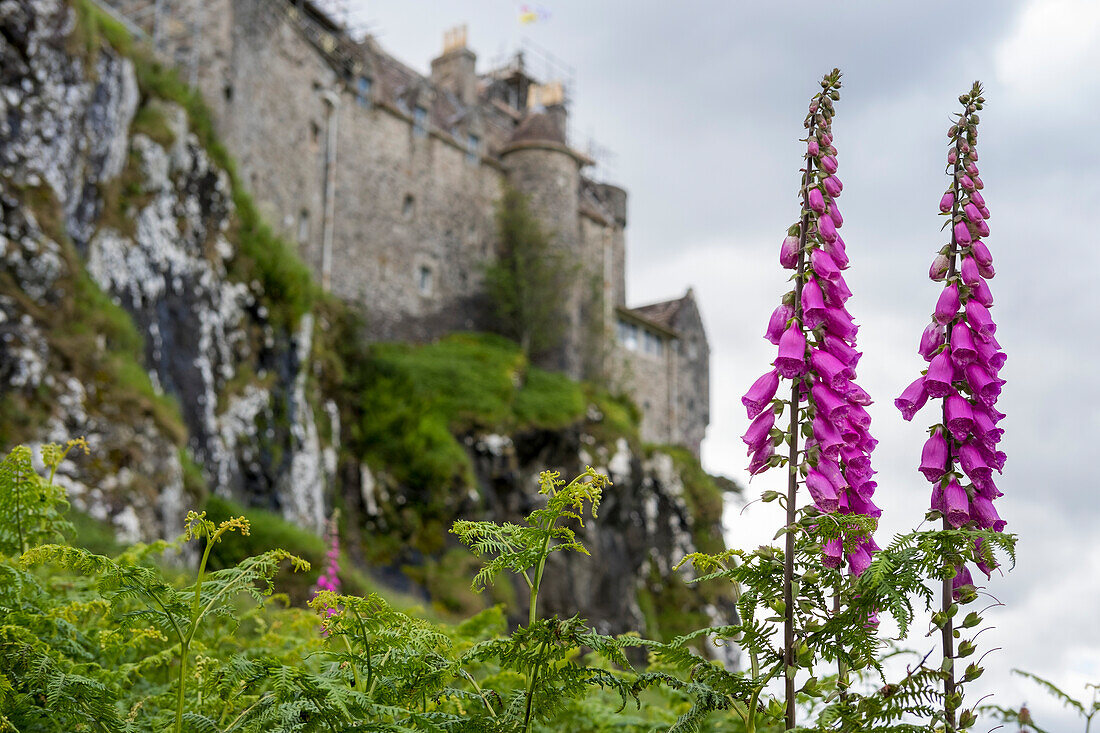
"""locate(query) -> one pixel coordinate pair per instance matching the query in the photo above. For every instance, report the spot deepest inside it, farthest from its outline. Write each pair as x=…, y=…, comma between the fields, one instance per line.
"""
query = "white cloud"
x=1052, y=53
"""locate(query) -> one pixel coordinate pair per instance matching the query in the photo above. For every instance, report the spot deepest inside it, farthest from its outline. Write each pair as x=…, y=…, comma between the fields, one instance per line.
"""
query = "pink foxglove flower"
x=933, y=458
x=816, y=339
x=947, y=306
x=961, y=456
x=791, y=361
x=761, y=393
x=777, y=324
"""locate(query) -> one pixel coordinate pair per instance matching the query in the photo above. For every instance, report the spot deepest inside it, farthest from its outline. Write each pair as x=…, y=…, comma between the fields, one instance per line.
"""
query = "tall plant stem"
x=792, y=464
x=532, y=615
x=947, y=632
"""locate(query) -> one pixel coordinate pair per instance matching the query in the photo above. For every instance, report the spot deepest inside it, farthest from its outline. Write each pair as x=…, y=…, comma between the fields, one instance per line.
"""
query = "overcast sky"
x=702, y=105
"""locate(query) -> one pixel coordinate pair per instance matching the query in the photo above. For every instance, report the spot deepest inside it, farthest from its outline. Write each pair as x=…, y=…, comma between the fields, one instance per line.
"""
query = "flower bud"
x=788, y=253
x=952, y=156
x=966, y=183
x=981, y=228
x=947, y=201
x=833, y=186
x=816, y=200
x=962, y=233
x=934, y=336
x=777, y=324
x=972, y=213
x=978, y=183
x=812, y=148
x=827, y=229
x=938, y=270
x=981, y=253
x=829, y=163
x=981, y=293
x=969, y=271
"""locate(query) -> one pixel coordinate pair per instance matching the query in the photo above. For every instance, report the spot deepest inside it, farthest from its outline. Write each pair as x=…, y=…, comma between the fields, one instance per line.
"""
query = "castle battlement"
x=388, y=180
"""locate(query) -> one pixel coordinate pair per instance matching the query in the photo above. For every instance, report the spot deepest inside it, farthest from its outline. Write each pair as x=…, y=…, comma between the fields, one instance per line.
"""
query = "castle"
x=388, y=181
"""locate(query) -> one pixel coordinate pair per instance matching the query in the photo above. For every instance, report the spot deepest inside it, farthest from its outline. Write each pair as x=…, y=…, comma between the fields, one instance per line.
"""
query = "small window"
x=227, y=91
x=628, y=335
x=303, y=226
x=408, y=206
x=420, y=121
x=314, y=135
x=362, y=91
x=654, y=344
x=473, y=149
x=424, y=280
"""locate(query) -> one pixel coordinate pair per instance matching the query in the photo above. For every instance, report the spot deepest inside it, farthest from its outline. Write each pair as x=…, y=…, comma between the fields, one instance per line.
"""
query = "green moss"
x=150, y=121
x=549, y=400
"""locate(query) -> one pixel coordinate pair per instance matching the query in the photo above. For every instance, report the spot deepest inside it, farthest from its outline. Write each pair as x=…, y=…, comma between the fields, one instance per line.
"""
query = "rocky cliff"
x=145, y=306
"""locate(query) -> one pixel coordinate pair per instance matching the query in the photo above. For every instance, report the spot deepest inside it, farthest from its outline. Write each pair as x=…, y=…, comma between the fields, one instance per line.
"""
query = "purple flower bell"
x=912, y=399
x=791, y=361
x=830, y=369
x=832, y=553
x=956, y=504
x=822, y=491
x=985, y=514
x=963, y=351
x=833, y=186
x=959, y=416
x=937, y=382
x=759, y=431
x=827, y=228
x=947, y=305
x=977, y=315
x=813, y=304
x=761, y=393
x=933, y=457
x=961, y=583
x=947, y=202
x=840, y=323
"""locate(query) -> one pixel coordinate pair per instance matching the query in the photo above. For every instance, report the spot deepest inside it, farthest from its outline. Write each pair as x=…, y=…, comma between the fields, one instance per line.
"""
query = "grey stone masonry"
x=388, y=180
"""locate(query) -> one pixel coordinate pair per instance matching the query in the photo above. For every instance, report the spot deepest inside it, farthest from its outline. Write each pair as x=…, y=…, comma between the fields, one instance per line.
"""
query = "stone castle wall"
x=388, y=182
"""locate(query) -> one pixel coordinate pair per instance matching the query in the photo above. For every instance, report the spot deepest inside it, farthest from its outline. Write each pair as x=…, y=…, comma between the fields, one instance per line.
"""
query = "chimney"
x=453, y=70
x=550, y=98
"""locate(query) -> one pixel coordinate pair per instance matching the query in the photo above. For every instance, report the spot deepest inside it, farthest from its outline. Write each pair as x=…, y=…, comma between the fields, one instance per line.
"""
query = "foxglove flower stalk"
x=961, y=454
x=816, y=339
x=329, y=579
x=965, y=358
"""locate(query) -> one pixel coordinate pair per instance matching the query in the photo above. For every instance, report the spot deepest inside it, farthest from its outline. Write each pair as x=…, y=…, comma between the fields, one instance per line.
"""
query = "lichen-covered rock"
x=240, y=385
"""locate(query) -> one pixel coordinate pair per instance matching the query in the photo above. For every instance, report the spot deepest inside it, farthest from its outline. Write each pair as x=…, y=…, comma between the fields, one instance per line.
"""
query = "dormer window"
x=362, y=91
x=420, y=121
x=473, y=148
